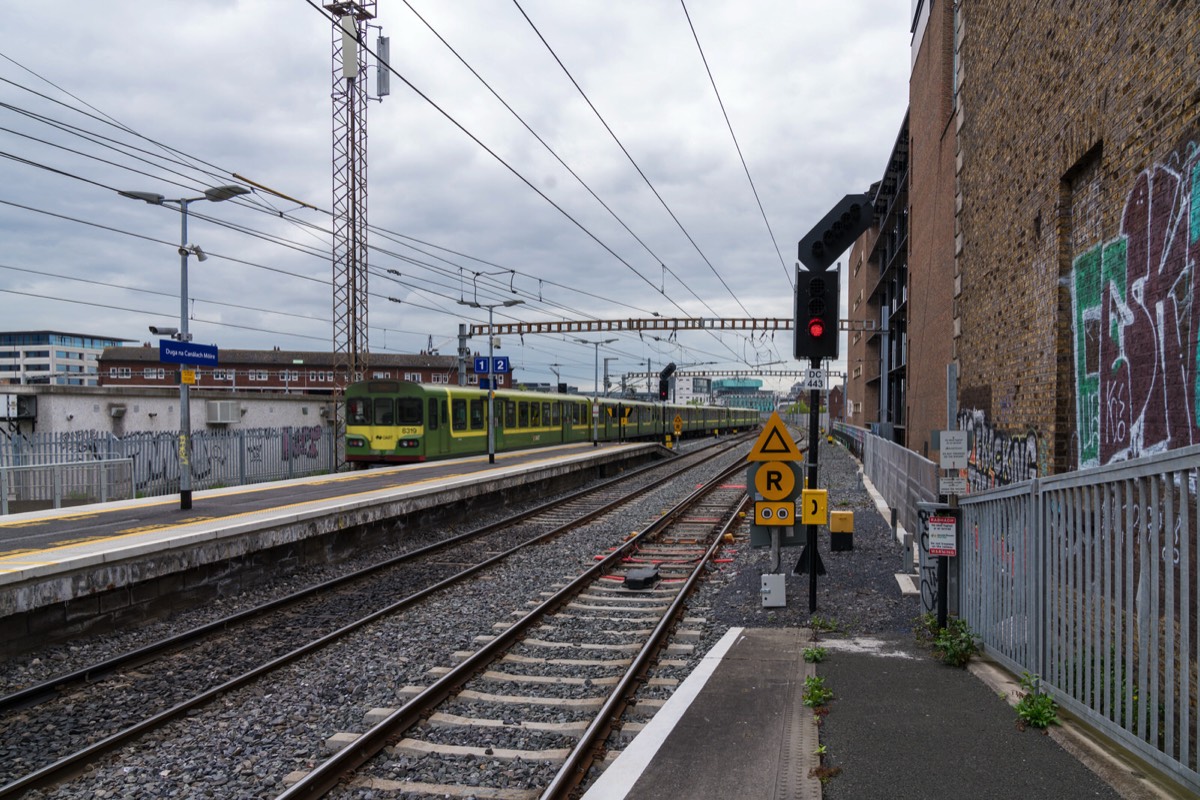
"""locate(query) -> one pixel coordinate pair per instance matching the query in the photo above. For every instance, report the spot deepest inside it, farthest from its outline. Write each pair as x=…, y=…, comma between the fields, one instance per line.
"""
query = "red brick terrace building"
x=285, y=371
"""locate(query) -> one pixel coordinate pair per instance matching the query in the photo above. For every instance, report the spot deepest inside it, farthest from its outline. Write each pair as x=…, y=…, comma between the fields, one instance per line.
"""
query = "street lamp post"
x=491, y=421
x=596, y=390
x=216, y=195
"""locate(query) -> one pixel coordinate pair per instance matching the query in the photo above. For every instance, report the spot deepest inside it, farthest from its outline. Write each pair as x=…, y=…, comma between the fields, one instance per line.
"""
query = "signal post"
x=818, y=295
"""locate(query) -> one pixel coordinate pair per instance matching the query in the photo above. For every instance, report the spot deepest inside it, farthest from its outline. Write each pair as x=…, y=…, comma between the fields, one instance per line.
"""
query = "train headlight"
x=355, y=441
x=409, y=443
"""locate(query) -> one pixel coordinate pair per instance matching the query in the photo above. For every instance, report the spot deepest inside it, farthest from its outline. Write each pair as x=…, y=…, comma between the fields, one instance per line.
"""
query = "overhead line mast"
x=349, y=96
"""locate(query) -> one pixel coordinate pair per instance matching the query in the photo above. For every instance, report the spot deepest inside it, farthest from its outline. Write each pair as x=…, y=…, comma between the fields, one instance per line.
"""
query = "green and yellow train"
x=391, y=422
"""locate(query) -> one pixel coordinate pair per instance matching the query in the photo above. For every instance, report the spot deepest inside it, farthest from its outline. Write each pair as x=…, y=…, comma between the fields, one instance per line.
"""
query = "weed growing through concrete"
x=1035, y=708
x=816, y=693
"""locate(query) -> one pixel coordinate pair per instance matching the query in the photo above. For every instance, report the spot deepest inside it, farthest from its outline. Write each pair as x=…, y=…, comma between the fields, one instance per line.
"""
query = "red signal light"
x=816, y=327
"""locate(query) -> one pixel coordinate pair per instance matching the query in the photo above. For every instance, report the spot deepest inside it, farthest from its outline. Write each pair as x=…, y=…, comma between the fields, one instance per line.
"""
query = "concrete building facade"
x=51, y=358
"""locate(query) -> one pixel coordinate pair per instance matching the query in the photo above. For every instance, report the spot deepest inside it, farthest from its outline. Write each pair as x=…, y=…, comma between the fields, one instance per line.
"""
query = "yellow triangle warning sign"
x=774, y=443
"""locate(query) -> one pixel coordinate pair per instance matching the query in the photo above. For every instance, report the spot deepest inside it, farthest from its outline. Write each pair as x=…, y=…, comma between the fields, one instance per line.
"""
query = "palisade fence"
x=1089, y=580
x=42, y=470
x=902, y=476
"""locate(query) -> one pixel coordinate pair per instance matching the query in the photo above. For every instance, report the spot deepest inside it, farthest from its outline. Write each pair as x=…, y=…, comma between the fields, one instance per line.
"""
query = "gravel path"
x=858, y=594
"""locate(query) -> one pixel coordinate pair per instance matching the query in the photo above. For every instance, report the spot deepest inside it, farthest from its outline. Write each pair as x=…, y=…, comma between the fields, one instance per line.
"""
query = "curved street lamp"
x=216, y=194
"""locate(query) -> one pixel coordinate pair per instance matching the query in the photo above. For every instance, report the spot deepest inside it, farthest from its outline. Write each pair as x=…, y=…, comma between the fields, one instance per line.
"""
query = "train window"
x=556, y=410
x=476, y=415
x=356, y=411
x=545, y=413
x=408, y=411
x=433, y=414
x=523, y=415
x=510, y=414
x=535, y=415
x=458, y=409
x=383, y=411
x=580, y=413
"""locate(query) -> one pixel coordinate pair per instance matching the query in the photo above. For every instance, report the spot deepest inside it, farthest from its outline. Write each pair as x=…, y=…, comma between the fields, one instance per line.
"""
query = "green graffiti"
x=1100, y=277
x=1195, y=207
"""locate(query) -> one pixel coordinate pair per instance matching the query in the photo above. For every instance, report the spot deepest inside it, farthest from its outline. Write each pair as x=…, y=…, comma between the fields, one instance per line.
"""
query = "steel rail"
x=580, y=759
x=56, y=685
x=330, y=773
x=58, y=770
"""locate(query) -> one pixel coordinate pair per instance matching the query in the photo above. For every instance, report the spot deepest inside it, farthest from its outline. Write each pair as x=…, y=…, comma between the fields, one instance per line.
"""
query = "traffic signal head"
x=816, y=324
x=836, y=231
x=663, y=388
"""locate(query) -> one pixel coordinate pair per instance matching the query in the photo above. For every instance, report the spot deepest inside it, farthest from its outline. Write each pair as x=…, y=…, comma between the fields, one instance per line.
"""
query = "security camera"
x=158, y=330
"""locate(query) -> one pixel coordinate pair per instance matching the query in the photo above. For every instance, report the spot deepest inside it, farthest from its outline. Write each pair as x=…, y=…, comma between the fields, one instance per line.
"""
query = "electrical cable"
x=636, y=167
x=741, y=157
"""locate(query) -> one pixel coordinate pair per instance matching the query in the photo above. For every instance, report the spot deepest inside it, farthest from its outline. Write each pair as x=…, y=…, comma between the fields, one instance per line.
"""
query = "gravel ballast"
x=244, y=744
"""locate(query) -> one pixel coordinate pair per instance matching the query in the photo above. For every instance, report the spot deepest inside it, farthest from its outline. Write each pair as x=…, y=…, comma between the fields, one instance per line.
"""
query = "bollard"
x=841, y=530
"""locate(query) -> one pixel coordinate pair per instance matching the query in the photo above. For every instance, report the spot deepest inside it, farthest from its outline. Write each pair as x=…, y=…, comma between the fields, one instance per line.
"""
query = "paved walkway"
x=901, y=726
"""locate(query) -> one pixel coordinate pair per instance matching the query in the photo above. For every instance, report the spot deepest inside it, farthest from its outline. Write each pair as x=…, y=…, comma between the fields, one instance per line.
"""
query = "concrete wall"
x=121, y=411
x=1080, y=225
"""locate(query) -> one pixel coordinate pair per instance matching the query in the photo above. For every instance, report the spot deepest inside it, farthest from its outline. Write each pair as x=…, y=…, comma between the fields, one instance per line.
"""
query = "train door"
x=383, y=424
x=435, y=427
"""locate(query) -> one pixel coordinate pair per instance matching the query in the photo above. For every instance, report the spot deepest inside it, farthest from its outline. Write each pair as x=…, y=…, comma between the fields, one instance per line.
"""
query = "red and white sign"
x=942, y=540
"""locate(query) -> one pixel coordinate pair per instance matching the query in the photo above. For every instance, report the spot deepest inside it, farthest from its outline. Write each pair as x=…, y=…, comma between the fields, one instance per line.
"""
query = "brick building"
x=1081, y=232
x=1054, y=231
x=287, y=371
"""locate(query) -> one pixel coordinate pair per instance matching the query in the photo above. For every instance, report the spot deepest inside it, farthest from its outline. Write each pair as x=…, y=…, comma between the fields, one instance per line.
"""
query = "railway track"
x=81, y=716
x=581, y=653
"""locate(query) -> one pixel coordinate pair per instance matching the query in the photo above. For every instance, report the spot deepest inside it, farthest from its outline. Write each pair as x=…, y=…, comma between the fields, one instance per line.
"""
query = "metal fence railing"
x=33, y=488
x=218, y=458
x=904, y=478
x=1090, y=580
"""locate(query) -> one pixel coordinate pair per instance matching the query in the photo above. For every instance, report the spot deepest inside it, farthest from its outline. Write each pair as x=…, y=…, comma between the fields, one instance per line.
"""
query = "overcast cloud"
x=173, y=96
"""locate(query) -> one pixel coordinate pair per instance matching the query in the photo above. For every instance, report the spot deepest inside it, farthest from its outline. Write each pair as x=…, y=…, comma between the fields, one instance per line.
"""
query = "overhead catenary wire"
x=74, y=130
x=737, y=146
x=277, y=240
x=632, y=161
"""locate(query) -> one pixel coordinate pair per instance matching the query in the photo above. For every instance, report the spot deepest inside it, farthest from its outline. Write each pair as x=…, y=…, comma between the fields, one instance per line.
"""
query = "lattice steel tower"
x=349, y=190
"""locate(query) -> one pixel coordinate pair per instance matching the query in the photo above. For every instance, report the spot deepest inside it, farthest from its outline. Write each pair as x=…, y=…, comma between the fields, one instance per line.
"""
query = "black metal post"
x=943, y=578
x=814, y=400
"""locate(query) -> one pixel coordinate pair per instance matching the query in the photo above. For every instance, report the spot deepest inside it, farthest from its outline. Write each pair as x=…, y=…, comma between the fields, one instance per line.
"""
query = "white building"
x=691, y=390
x=51, y=357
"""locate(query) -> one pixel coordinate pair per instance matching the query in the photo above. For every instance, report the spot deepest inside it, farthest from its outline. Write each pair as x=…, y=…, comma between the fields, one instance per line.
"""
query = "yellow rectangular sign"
x=774, y=513
x=815, y=507
x=187, y=376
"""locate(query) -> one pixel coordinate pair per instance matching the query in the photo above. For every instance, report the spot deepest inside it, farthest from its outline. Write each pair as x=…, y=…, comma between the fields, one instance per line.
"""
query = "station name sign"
x=173, y=352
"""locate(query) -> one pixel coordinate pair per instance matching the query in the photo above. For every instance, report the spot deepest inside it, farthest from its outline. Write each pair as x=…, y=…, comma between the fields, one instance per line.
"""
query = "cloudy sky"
x=172, y=97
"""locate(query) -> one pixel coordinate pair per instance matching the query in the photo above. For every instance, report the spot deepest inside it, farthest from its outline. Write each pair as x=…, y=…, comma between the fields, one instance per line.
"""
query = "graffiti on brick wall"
x=1136, y=311
x=997, y=458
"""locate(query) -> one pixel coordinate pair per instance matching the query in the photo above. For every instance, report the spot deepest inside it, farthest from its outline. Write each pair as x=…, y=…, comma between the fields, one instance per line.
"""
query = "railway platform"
x=901, y=726
x=65, y=571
